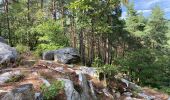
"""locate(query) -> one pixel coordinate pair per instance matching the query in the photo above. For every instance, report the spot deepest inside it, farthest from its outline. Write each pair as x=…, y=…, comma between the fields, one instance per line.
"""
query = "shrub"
x=22, y=49
x=49, y=93
x=45, y=47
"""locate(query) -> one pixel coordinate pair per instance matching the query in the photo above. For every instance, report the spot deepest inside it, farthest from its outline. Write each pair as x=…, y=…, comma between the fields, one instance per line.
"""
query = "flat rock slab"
x=7, y=75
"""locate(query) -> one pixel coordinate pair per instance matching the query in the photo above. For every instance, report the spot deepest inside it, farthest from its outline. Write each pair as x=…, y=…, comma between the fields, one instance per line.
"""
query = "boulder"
x=7, y=75
x=70, y=92
x=49, y=55
x=66, y=55
x=23, y=92
x=2, y=40
x=7, y=53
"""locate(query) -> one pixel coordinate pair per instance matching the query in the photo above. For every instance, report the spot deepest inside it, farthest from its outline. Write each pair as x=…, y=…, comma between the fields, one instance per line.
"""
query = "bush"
x=49, y=93
x=22, y=49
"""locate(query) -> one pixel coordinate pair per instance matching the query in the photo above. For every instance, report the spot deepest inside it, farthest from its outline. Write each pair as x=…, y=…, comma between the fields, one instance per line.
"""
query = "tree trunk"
x=8, y=21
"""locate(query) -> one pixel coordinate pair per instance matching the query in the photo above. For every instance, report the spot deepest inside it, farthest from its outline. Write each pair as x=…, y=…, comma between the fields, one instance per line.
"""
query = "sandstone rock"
x=7, y=53
x=24, y=92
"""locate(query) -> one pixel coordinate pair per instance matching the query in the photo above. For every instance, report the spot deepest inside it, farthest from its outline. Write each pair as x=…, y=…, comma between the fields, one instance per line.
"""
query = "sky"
x=145, y=6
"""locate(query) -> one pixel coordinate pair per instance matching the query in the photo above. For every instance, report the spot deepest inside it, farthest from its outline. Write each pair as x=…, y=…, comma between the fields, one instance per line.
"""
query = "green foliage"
x=15, y=78
x=97, y=62
x=22, y=48
x=50, y=92
x=109, y=70
x=46, y=47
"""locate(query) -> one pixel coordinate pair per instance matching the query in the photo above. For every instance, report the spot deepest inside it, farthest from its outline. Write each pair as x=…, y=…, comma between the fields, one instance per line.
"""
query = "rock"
x=23, y=92
x=117, y=95
x=38, y=96
x=85, y=88
x=66, y=55
x=134, y=87
x=70, y=66
x=131, y=86
x=89, y=70
x=59, y=69
x=49, y=55
x=45, y=82
x=127, y=94
x=7, y=53
x=2, y=40
x=146, y=97
x=169, y=98
x=7, y=75
x=70, y=92
x=107, y=93
x=92, y=90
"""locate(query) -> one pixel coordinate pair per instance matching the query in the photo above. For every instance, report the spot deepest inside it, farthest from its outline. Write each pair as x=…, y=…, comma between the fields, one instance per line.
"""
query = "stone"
x=45, y=82
x=89, y=71
x=146, y=97
x=107, y=93
x=66, y=55
x=130, y=85
x=7, y=53
x=92, y=90
x=38, y=96
x=70, y=92
x=2, y=40
x=49, y=55
x=84, y=84
x=127, y=94
x=7, y=75
x=23, y=92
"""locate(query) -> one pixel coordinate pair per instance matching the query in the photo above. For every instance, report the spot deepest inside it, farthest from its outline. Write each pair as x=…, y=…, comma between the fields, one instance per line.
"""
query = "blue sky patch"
x=145, y=6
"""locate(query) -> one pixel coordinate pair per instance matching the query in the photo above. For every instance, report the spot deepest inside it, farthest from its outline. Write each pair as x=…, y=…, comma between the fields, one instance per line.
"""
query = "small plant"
x=16, y=78
x=22, y=48
x=49, y=93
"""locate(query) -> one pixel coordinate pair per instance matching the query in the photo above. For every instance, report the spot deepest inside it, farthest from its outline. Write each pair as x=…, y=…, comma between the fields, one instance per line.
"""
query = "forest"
x=135, y=46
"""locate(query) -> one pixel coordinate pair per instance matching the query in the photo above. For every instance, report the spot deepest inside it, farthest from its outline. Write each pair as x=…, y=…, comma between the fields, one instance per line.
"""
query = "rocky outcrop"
x=66, y=55
x=23, y=92
x=7, y=53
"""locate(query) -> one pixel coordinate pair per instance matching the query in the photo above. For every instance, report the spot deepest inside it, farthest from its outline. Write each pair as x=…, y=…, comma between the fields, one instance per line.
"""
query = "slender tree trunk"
x=82, y=50
x=42, y=4
x=54, y=10
x=8, y=21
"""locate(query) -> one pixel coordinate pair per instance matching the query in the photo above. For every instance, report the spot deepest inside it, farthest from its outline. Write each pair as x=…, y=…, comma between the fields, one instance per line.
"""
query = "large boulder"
x=66, y=55
x=7, y=53
x=23, y=92
x=2, y=40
